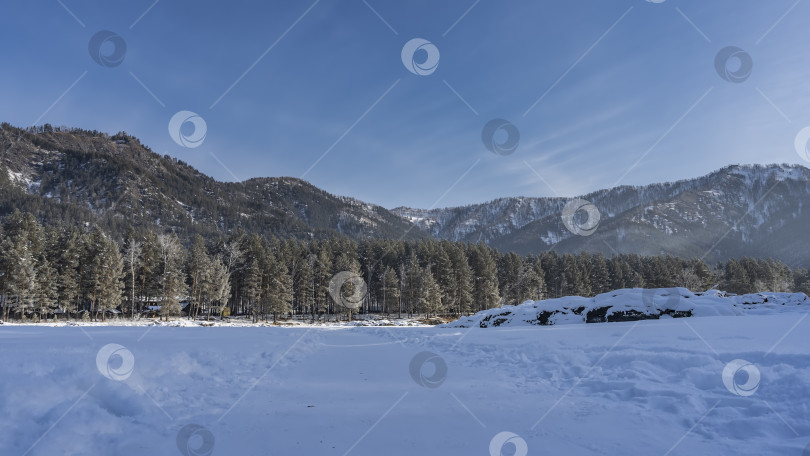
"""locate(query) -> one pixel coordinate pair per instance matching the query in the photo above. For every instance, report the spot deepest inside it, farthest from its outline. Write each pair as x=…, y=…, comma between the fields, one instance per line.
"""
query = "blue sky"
x=601, y=91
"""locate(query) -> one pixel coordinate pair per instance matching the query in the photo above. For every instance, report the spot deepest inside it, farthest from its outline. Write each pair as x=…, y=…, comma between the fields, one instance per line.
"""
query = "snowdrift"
x=632, y=304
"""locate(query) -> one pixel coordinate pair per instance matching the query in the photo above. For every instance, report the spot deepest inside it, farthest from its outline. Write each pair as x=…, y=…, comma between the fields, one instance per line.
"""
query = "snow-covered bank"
x=634, y=304
x=241, y=322
x=627, y=388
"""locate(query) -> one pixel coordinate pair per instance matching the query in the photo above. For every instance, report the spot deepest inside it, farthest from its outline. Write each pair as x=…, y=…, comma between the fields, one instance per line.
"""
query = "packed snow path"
x=651, y=387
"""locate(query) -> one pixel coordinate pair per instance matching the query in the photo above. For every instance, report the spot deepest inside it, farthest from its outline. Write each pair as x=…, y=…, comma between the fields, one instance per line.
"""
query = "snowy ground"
x=630, y=388
x=235, y=322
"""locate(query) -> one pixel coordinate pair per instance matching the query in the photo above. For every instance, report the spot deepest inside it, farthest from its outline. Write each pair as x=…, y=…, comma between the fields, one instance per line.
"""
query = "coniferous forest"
x=53, y=272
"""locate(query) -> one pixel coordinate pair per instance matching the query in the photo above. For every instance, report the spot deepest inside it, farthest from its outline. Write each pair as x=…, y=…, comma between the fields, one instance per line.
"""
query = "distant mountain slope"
x=88, y=177
x=738, y=210
x=82, y=177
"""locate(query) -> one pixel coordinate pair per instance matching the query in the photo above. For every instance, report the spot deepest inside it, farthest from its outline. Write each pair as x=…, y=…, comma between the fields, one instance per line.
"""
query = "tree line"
x=70, y=272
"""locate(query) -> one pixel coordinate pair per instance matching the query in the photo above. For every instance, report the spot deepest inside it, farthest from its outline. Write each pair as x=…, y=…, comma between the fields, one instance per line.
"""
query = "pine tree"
x=509, y=268
x=707, y=278
x=570, y=276
x=280, y=287
x=253, y=275
x=530, y=284
x=133, y=249
x=485, y=277
x=68, y=278
x=215, y=286
x=347, y=261
x=232, y=255
x=735, y=277
x=441, y=266
x=599, y=274
x=150, y=271
x=102, y=273
x=323, y=274
x=46, y=292
x=617, y=279
x=171, y=277
x=111, y=267
x=21, y=246
x=305, y=284
x=197, y=267
x=413, y=288
x=687, y=277
x=430, y=298
x=462, y=277
x=583, y=285
x=390, y=290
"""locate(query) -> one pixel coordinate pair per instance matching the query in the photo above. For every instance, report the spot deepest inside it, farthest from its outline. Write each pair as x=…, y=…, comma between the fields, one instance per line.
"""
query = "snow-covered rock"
x=629, y=305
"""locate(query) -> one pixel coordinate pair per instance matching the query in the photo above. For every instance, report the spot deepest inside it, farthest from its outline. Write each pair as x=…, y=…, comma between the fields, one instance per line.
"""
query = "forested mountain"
x=86, y=177
x=89, y=178
x=733, y=212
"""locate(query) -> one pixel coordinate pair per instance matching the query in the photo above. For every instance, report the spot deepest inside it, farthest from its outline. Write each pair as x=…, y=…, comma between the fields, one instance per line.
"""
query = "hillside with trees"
x=76, y=177
x=79, y=177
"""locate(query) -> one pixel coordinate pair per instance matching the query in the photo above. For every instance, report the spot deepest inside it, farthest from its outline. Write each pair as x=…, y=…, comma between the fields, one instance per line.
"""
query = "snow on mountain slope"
x=661, y=387
x=101, y=180
x=743, y=206
x=90, y=177
x=633, y=304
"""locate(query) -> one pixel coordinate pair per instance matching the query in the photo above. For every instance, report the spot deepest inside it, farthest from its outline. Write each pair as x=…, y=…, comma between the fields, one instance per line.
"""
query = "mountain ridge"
x=86, y=177
x=462, y=223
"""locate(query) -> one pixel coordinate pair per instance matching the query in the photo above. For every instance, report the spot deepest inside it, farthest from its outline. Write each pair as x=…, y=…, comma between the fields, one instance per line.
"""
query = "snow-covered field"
x=656, y=387
x=236, y=322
